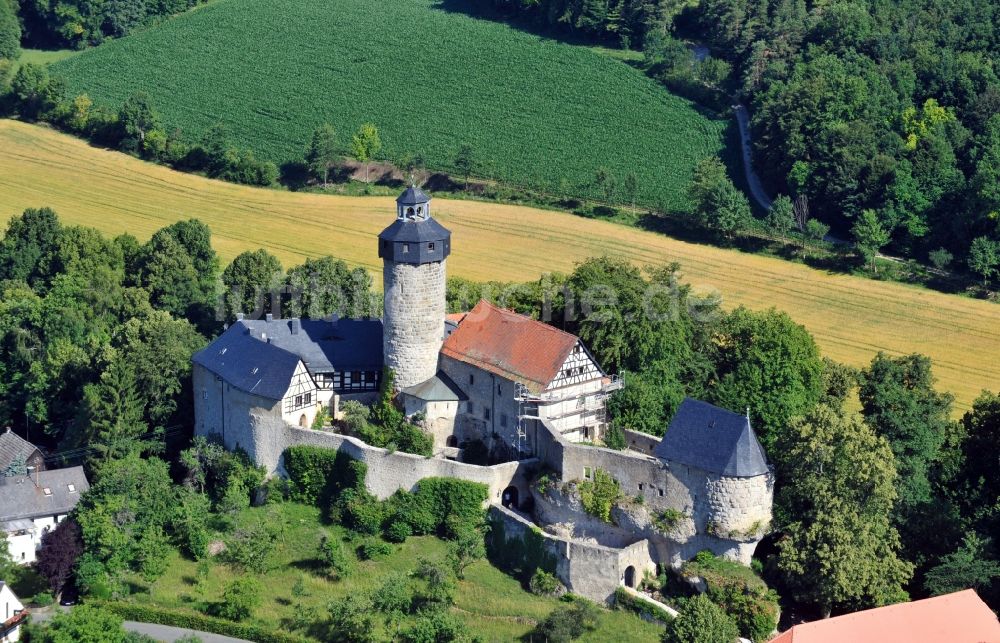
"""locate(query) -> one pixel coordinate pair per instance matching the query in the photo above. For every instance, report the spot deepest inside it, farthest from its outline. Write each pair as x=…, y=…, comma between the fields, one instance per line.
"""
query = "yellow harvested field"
x=852, y=318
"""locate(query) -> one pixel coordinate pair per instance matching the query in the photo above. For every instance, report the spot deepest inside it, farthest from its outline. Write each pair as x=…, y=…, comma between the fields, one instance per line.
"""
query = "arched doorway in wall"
x=304, y=421
x=451, y=441
x=509, y=497
x=630, y=577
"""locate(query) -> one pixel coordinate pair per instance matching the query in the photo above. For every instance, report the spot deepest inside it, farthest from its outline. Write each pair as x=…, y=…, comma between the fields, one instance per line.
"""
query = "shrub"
x=614, y=438
x=394, y=597
x=568, y=622
x=43, y=599
x=362, y=512
x=668, y=520
x=374, y=549
x=600, y=494
x=250, y=547
x=334, y=555
x=434, y=627
x=543, y=583
x=240, y=597
x=397, y=531
x=701, y=621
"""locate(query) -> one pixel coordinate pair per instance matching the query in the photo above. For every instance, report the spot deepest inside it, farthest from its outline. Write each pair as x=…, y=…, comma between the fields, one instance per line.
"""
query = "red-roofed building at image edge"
x=961, y=617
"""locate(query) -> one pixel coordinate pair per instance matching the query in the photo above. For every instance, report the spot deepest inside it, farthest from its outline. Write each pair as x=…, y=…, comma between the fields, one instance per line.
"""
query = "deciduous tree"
x=249, y=280
x=366, y=144
x=869, y=236
x=984, y=257
x=840, y=546
x=322, y=153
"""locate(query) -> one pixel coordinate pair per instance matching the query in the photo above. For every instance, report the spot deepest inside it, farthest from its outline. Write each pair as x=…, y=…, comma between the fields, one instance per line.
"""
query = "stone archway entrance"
x=509, y=497
x=304, y=421
x=451, y=441
x=630, y=577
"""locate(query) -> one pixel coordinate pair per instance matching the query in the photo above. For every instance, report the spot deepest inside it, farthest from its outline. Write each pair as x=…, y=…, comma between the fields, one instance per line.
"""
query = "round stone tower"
x=413, y=251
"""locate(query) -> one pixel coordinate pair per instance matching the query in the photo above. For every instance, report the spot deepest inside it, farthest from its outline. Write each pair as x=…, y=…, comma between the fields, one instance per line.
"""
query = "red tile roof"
x=511, y=345
x=961, y=617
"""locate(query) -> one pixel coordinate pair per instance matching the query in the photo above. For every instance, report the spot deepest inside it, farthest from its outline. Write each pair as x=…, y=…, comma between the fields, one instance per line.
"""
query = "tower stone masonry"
x=414, y=250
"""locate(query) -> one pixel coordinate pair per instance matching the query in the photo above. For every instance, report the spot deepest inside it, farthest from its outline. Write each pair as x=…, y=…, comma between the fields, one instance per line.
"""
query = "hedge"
x=194, y=621
x=439, y=505
x=318, y=474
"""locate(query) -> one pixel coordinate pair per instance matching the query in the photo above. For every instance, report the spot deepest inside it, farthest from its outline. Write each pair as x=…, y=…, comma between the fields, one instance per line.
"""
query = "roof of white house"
x=714, y=440
x=45, y=493
x=13, y=446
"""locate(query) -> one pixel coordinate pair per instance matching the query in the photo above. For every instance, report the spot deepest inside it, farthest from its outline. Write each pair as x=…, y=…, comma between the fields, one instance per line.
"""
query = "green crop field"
x=536, y=112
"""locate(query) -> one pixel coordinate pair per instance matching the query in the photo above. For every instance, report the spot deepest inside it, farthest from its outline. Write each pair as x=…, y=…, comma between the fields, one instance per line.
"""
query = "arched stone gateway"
x=451, y=441
x=630, y=577
x=509, y=498
x=304, y=421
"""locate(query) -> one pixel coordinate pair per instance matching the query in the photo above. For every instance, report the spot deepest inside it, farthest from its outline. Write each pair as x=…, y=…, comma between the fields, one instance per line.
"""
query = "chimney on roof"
x=239, y=316
x=269, y=317
x=296, y=325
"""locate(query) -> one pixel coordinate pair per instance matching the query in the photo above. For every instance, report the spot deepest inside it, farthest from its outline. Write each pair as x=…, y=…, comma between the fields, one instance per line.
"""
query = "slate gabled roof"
x=439, y=388
x=324, y=345
x=511, y=345
x=21, y=497
x=13, y=446
x=714, y=440
x=248, y=363
x=412, y=196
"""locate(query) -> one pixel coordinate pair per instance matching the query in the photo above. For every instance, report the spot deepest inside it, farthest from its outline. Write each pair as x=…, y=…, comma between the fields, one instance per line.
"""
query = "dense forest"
x=888, y=106
x=55, y=24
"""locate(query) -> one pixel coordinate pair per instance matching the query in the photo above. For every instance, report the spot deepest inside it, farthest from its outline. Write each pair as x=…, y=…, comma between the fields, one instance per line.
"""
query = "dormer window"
x=47, y=491
x=430, y=246
x=71, y=487
x=406, y=248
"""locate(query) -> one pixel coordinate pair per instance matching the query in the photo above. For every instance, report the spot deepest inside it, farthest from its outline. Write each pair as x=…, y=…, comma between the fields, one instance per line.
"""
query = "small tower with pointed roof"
x=414, y=249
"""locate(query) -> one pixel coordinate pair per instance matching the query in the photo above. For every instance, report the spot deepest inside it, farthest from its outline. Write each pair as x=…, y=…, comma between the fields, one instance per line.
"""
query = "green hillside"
x=536, y=112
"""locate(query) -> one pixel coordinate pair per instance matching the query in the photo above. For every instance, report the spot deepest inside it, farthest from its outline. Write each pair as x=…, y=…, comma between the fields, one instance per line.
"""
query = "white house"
x=12, y=615
x=32, y=505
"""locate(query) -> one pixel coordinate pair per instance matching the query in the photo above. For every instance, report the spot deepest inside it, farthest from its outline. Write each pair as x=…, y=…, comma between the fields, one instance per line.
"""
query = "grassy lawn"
x=44, y=56
x=493, y=604
x=851, y=317
x=535, y=111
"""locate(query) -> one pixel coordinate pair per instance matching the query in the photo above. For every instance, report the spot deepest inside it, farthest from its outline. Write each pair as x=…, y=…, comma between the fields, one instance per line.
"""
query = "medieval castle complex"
x=532, y=394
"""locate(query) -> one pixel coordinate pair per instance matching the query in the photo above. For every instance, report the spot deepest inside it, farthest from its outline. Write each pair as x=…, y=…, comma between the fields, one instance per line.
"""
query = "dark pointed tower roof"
x=412, y=196
x=714, y=440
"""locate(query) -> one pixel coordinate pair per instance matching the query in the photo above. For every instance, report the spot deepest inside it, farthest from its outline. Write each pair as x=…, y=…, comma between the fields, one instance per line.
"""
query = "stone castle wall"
x=413, y=319
x=590, y=570
x=258, y=429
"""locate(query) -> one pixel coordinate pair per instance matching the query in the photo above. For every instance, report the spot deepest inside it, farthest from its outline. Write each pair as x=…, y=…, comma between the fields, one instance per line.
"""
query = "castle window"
x=640, y=486
x=307, y=398
x=499, y=390
x=204, y=394
x=406, y=248
x=588, y=473
x=472, y=379
x=430, y=246
x=661, y=492
x=486, y=412
x=298, y=401
x=503, y=420
x=470, y=408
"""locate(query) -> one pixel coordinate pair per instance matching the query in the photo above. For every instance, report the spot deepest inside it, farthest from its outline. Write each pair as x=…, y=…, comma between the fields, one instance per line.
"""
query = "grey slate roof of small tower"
x=714, y=440
x=412, y=196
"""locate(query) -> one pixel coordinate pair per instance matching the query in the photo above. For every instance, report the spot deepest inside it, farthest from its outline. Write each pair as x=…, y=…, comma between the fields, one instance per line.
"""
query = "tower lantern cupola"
x=413, y=205
x=414, y=237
